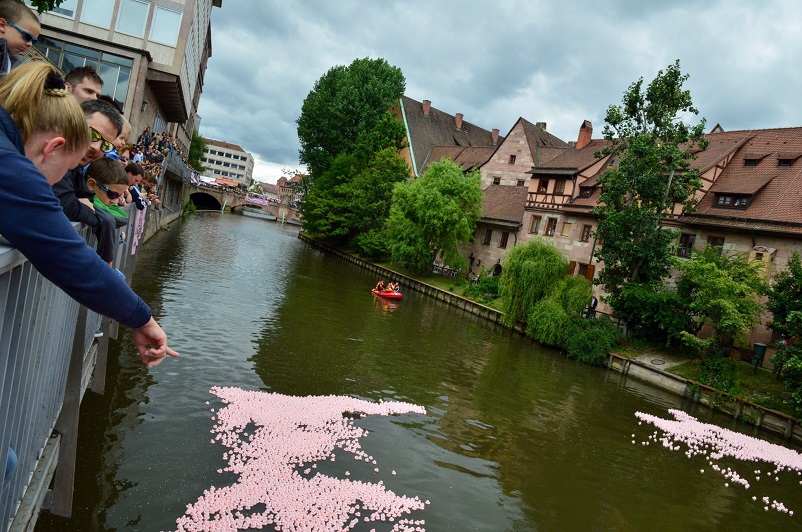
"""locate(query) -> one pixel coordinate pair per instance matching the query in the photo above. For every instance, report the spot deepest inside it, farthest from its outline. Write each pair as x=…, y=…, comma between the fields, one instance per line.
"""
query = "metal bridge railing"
x=48, y=353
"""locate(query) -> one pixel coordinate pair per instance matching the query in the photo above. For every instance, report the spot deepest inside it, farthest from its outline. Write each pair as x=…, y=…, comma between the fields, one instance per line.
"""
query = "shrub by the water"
x=590, y=340
x=551, y=317
x=548, y=322
x=485, y=291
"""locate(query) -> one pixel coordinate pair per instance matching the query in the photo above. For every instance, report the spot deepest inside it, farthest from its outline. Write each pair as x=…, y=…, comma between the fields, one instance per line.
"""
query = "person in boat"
x=396, y=287
x=380, y=286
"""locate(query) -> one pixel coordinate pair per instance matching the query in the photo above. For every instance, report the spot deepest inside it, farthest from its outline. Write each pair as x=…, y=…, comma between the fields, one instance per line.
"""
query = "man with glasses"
x=19, y=28
x=105, y=123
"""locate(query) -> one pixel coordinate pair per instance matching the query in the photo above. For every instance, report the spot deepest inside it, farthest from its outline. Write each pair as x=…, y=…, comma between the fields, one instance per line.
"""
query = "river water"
x=516, y=436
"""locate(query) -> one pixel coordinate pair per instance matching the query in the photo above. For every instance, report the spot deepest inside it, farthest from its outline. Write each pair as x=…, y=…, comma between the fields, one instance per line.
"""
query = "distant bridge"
x=212, y=199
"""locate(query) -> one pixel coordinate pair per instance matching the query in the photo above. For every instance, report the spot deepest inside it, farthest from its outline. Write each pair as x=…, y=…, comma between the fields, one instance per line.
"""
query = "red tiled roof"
x=226, y=182
x=504, y=203
x=573, y=159
x=776, y=190
x=223, y=144
x=543, y=146
x=467, y=158
x=439, y=129
x=741, y=186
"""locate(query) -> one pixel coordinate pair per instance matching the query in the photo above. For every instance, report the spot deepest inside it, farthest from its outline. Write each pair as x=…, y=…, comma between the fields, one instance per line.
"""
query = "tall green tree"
x=197, y=147
x=722, y=291
x=344, y=106
x=653, y=147
x=785, y=294
x=530, y=271
x=433, y=215
x=353, y=196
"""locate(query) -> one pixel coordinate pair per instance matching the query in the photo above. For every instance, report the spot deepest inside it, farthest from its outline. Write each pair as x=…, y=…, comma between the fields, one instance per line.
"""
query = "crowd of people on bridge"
x=63, y=157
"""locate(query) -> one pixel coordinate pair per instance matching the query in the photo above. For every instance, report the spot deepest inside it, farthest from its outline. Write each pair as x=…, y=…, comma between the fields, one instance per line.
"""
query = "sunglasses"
x=105, y=145
x=27, y=37
x=110, y=193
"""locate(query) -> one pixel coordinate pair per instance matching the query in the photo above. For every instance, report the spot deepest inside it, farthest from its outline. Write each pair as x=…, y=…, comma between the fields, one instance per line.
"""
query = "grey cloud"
x=543, y=60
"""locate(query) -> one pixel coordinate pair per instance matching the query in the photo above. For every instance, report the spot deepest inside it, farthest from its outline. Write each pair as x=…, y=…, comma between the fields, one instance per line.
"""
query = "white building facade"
x=228, y=161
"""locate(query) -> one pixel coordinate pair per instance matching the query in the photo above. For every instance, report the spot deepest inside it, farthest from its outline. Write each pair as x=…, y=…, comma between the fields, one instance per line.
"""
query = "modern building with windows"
x=228, y=162
x=151, y=55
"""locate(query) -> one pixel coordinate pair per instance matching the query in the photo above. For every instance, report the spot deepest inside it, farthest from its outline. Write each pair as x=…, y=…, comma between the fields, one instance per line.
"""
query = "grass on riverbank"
x=760, y=387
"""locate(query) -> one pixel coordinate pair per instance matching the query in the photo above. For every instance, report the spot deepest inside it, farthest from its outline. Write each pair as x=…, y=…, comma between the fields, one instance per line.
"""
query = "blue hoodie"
x=32, y=220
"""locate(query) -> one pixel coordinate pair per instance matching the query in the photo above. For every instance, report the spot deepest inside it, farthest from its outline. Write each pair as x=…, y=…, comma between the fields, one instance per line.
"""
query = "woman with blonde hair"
x=44, y=133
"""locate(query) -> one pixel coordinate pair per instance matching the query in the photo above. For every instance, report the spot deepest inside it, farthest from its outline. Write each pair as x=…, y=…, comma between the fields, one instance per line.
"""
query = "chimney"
x=494, y=136
x=541, y=125
x=458, y=120
x=427, y=104
x=585, y=133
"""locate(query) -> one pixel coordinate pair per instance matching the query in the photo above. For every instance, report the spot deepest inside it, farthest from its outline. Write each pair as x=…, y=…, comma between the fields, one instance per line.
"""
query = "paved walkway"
x=661, y=360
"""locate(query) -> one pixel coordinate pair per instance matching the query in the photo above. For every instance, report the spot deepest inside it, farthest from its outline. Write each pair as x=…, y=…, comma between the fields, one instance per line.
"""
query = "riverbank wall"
x=761, y=417
x=472, y=307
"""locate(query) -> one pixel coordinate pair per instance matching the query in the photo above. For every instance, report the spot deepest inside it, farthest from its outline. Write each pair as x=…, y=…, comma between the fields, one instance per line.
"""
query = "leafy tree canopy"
x=785, y=294
x=652, y=147
x=45, y=5
x=353, y=196
x=530, y=271
x=723, y=291
x=433, y=215
x=197, y=149
x=346, y=104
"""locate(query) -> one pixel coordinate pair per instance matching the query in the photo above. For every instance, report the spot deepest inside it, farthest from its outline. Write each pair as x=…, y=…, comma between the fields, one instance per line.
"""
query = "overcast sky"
x=559, y=62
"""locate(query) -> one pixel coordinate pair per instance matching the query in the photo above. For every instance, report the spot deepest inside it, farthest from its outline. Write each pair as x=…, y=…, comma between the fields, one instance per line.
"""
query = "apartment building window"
x=585, y=236
x=534, y=225
x=566, y=229
x=551, y=227
x=505, y=236
x=512, y=159
x=97, y=12
x=165, y=26
x=559, y=186
x=113, y=69
x=132, y=17
x=488, y=237
x=686, y=242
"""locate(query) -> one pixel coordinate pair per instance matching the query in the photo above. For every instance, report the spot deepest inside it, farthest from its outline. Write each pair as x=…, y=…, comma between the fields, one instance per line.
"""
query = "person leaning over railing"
x=44, y=133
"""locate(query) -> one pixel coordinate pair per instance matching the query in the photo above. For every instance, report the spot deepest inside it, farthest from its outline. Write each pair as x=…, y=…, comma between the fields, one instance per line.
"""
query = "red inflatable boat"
x=387, y=295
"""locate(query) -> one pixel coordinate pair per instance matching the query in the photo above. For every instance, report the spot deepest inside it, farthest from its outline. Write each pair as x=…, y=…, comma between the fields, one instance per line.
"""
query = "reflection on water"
x=516, y=437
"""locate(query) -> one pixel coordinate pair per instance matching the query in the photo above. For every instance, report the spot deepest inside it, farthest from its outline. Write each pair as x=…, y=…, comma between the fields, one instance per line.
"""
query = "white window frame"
x=122, y=17
x=87, y=6
x=156, y=11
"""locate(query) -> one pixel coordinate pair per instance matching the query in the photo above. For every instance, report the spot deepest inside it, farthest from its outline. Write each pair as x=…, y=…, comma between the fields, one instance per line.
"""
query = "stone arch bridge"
x=207, y=198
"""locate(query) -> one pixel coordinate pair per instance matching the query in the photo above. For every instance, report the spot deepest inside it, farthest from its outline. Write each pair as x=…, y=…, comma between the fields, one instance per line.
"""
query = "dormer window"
x=751, y=163
x=730, y=201
x=585, y=192
x=785, y=163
